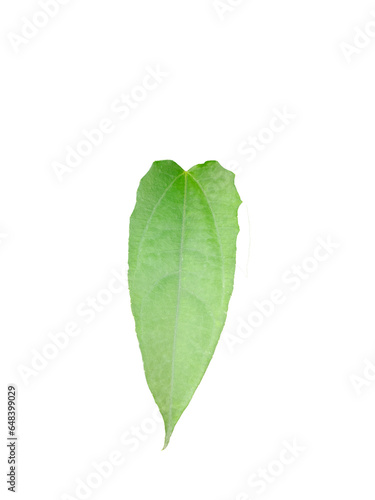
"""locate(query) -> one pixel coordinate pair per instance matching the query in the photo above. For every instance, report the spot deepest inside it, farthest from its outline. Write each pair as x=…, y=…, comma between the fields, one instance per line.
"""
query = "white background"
x=294, y=377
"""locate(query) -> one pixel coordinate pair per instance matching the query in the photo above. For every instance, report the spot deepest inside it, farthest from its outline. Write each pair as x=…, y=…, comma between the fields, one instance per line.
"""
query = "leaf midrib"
x=177, y=309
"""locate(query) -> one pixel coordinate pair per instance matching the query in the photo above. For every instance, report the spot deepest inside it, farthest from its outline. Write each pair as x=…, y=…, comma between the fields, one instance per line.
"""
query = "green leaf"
x=182, y=257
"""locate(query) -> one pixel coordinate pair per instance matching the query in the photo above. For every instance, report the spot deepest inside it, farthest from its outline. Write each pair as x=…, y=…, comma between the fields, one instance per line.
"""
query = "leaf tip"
x=166, y=442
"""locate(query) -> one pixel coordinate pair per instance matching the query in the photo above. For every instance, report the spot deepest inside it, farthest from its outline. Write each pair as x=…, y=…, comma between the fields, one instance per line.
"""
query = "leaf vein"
x=218, y=235
x=149, y=220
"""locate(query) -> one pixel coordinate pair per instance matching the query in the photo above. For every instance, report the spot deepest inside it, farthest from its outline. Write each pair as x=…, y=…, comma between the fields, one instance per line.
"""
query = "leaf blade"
x=182, y=248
